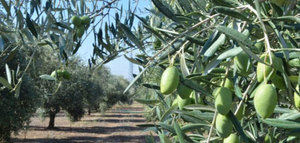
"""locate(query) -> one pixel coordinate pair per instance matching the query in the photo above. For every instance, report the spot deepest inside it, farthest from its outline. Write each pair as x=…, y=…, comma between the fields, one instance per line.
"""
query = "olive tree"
x=26, y=29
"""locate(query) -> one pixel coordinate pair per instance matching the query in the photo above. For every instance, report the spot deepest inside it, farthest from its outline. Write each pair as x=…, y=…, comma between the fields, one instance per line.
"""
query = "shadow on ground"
x=99, y=130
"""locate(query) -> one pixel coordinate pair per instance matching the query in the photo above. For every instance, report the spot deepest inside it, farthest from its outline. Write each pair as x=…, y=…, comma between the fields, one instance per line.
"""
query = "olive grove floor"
x=116, y=125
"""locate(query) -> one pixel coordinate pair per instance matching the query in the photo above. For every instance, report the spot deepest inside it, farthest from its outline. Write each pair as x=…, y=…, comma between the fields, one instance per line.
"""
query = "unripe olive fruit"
x=278, y=81
x=76, y=20
x=223, y=100
x=85, y=20
x=297, y=98
x=169, y=80
x=254, y=91
x=265, y=100
x=241, y=61
x=223, y=125
x=183, y=91
x=265, y=70
x=295, y=62
x=66, y=74
x=228, y=83
x=232, y=138
x=80, y=31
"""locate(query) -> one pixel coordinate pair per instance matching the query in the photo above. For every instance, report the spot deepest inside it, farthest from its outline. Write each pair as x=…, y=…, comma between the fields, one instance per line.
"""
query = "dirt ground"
x=115, y=126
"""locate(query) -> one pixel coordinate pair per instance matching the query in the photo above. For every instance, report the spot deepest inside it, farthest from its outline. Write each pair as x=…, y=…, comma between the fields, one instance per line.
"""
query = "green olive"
x=223, y=100
x=265, y=100
x=295, y=62
x=85, y=20
x=76, y=20
x=66, y=74
x=223, y=125
x=232, y=138
x=265, y=70
x=169, y=80
x=228, y=84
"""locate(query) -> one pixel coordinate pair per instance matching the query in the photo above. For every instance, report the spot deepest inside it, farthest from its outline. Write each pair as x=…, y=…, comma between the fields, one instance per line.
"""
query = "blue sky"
x=119, y=66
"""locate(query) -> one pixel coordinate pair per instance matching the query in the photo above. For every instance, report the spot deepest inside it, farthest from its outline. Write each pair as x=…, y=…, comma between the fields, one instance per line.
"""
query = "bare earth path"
x=116, y=125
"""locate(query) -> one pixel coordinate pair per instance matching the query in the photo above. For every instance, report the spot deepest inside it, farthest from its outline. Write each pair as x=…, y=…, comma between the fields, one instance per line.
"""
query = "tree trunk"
x=52, y=120
x=89, y=111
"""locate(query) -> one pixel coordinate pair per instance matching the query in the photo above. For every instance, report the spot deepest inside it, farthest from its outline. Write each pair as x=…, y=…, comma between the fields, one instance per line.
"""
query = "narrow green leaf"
x=286, y=124
x=235, y=35
x=290, y=116
x=167, y=127
x=231, y=12
x=30, y=26
x=208, y=116
x=152, y=86
x=47, y=77
x=166, y=11
x=167, y=113
x=131, y=36
x=215, y=46
x=150, y=29
x=199, y=107
x=179, y=133
x=132, y=60
x=190, y=127
x=238, y=91
x=230, y=53
x=183, y=66
x=288, y=18
x=8, y=74
x=4, y=82
x=211, y=65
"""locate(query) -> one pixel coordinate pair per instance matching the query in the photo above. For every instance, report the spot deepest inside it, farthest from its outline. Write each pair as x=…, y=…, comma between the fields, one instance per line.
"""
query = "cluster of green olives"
x=80, y=23
x=265, y=94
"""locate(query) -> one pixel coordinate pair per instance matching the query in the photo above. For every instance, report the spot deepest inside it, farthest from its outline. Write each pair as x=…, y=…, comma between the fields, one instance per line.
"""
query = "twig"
x=268, y=48
x=244, y=95
x=212, y=126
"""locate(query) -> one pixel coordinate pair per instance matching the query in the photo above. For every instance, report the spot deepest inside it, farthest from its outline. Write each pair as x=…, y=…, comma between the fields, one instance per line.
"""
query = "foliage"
x=202, y=38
